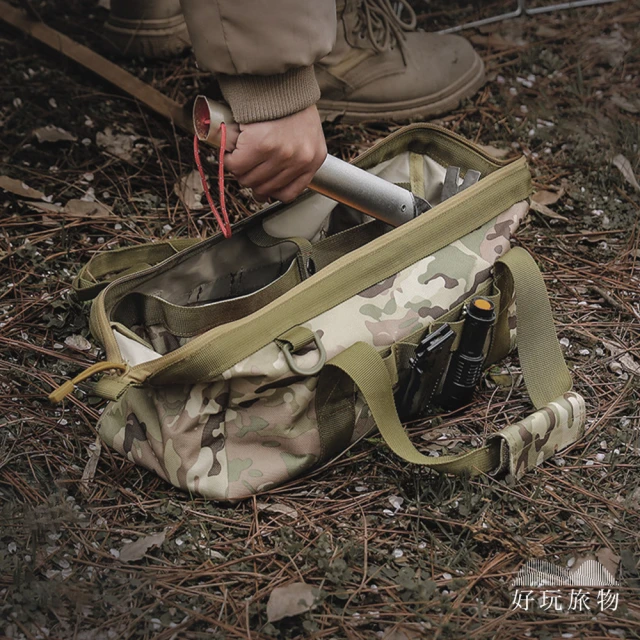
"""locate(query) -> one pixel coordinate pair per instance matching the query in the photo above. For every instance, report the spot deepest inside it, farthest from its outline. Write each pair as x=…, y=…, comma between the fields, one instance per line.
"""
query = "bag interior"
x=237, y=276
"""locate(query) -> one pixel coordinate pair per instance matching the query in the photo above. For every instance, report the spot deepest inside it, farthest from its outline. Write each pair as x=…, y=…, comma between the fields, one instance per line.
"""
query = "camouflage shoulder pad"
x=529, y=442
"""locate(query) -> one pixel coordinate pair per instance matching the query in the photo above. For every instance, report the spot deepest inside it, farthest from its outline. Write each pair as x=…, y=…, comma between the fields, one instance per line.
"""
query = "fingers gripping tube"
x=335, y=179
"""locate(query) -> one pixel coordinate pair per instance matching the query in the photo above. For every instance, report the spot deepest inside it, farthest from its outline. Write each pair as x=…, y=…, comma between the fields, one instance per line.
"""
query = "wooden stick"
x=99, y=65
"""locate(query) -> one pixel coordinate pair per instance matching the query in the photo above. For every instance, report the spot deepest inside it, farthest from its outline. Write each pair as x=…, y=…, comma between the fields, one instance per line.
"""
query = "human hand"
x=278, y=158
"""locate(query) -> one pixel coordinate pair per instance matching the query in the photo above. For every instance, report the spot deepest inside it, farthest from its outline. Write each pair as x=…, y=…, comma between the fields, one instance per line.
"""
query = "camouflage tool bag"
x=238, y=364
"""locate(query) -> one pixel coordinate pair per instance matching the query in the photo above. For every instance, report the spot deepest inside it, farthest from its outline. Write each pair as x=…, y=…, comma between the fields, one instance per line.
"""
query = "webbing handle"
x=544, y=369
x=366, y=368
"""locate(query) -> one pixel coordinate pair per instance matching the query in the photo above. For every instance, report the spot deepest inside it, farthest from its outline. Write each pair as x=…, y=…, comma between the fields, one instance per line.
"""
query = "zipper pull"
x=64, y=390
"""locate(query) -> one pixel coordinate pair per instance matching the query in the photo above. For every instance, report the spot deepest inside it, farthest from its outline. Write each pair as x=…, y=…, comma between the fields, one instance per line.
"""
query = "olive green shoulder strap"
x=558, y=422
x=543, y=367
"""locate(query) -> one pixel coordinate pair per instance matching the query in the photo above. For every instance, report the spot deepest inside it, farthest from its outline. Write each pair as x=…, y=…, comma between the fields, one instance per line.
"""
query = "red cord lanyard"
x=223, y=221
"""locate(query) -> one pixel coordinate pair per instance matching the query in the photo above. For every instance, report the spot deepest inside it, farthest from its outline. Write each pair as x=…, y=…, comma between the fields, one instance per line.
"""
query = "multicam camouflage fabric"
x=528, y=443
x=256, y=426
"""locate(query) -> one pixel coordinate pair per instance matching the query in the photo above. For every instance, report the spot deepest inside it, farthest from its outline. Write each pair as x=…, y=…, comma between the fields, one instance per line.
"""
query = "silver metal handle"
x=365, y=192
x=335, y=179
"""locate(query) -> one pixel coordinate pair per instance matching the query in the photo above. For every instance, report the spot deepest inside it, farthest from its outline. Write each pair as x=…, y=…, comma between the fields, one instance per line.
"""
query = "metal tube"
x=567, y=5
x=481, y=23
x=365, y=192
x=522, y=11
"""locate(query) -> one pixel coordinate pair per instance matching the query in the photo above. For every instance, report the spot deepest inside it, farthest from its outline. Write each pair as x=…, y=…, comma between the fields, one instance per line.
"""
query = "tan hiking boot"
x=381, y=68
x=147, y=28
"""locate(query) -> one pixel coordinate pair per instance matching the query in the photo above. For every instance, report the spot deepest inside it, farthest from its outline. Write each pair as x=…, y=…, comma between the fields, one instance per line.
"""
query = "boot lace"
x=382, y=24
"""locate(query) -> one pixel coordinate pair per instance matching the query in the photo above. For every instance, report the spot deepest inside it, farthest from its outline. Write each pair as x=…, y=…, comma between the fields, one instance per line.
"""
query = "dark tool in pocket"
x=426, y=368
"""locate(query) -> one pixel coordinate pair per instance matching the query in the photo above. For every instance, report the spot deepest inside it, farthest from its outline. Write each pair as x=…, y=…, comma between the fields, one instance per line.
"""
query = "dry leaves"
x=626, y=360
x=625, y=104
x=117, y=144
x=541, y=200
x=609, y=49
x=494, y=151
x=291, y=600
x=608, y=560
x=19, y=188
x=53, y=134
x=91, y=466
x=545, y=211
x=82, y=208
x=278, y=508
x=547, y=197
x=77, y=342
x=498, y=41
x=133, y=551
x=625, y=168
x=75, y=209
x=189, y=190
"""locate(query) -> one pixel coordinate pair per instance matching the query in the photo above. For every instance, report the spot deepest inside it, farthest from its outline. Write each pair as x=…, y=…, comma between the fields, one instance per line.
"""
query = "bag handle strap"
x=518, y=447
x=107, y=266
x=544, y=369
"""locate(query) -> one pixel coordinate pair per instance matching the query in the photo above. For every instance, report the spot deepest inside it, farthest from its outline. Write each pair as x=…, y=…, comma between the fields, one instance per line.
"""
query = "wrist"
x=255, y=98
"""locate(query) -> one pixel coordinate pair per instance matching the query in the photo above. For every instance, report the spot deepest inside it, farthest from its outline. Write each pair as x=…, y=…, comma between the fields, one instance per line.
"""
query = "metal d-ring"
x=287, y=350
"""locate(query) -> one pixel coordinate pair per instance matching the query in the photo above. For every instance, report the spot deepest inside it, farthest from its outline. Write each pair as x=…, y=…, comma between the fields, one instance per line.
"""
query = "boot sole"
x=148, y=38
x=419, y=108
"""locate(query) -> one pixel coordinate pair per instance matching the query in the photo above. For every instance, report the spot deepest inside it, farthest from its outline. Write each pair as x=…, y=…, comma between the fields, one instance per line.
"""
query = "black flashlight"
x=465, y=367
